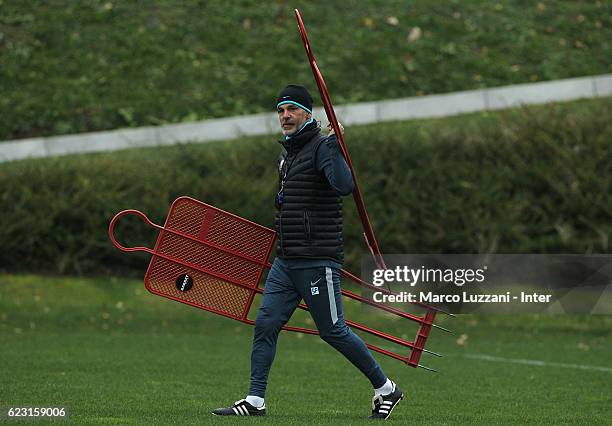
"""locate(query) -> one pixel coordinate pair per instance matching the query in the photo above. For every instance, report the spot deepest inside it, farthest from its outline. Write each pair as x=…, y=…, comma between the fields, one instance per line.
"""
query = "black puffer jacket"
x=309, y=220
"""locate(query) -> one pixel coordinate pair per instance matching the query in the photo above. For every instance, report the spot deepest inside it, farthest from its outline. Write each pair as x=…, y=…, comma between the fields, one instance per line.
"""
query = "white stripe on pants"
x=330, y=293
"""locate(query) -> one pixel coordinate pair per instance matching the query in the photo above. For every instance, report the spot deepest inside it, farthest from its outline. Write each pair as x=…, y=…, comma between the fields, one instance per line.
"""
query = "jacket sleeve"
x=331, y=162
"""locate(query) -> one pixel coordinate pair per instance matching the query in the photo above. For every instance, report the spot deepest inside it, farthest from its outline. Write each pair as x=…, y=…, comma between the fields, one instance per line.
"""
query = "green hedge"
x=103, y=64
x=525, y=181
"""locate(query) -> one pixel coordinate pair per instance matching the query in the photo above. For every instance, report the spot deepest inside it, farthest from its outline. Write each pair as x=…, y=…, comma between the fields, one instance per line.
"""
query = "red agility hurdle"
x=214, y=260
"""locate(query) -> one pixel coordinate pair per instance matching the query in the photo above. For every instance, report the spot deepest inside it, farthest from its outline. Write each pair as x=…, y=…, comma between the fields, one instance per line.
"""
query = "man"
x=313, y=175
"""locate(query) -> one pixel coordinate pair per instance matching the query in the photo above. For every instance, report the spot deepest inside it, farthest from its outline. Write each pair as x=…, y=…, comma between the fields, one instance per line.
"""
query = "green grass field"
x=115, y=354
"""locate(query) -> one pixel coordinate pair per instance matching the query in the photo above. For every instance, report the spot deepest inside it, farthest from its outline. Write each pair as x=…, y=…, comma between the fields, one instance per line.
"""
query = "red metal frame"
x=200, y=239
x=370, y=238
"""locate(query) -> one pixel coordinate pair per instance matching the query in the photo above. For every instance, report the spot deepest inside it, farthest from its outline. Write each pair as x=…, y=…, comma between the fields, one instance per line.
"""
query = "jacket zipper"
x=280, y=225
x=280, y=215
x=307, y=225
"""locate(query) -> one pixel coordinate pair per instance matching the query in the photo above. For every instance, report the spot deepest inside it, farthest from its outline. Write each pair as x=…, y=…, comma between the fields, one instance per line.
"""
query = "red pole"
x=331, y=116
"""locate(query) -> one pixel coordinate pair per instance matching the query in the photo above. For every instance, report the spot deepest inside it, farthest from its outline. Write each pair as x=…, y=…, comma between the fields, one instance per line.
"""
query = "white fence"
x=266, y=123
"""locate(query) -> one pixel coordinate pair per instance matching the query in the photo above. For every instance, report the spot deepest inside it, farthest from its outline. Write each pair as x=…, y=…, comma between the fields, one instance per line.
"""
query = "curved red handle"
x=111, y=230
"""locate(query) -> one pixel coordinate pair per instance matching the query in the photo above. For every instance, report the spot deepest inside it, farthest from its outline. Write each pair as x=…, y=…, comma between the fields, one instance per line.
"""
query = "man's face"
x=291, y=118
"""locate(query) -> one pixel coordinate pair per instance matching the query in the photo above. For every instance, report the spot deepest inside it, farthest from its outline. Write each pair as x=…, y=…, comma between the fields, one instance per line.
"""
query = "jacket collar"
x=295, y=142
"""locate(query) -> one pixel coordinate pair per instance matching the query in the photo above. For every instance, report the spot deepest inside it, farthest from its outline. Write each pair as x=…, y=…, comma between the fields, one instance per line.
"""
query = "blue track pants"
x=320, y=289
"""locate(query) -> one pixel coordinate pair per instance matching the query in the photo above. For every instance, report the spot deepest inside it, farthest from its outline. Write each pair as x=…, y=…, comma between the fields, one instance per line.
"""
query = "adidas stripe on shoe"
x=382, y=405
x=240, y=408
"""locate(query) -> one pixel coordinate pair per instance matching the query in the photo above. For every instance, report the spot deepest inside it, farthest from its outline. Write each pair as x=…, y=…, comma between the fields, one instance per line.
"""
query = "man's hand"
x=330, y=129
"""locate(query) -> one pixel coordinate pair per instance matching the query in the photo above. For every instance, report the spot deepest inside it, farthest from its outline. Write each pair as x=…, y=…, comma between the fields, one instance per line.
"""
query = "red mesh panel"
x=242, y=237
x=224, y=254
x=186, y=217
x=207, y=291
x=216, y=261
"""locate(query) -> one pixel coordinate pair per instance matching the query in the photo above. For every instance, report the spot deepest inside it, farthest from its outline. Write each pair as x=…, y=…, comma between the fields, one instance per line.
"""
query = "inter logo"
x=314, y=290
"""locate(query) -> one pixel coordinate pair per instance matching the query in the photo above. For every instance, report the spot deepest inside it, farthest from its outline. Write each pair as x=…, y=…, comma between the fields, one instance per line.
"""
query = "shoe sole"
x=236, y=415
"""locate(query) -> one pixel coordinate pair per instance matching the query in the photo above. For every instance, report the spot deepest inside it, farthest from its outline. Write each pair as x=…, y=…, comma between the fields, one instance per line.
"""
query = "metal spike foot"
x=427, y=368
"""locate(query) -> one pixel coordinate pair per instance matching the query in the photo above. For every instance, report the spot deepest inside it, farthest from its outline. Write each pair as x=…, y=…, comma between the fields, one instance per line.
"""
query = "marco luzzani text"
x=458, y=277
